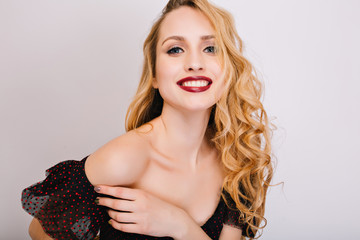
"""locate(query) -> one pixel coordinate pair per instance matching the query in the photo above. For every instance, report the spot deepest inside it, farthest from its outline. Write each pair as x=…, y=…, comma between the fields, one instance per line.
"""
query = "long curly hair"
x=238, y=122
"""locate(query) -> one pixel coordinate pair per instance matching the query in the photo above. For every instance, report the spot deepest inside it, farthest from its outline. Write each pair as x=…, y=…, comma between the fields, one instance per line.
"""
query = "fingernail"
x=97, y=200
x=109, y=222
x=97, y=189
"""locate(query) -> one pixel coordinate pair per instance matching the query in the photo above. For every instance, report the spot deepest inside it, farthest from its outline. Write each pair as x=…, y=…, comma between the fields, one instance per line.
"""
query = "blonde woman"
x=195, y=161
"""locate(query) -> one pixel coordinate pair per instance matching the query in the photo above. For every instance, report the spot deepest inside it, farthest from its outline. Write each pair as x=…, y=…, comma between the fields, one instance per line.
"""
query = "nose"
x=194, y=62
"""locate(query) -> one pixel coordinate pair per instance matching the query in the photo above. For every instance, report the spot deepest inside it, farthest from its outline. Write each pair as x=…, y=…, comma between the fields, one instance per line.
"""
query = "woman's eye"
x=175, y=50
x=210, y=49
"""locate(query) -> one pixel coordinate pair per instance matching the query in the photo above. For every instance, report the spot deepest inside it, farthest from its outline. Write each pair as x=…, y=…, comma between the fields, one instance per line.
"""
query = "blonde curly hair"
x=238, y=123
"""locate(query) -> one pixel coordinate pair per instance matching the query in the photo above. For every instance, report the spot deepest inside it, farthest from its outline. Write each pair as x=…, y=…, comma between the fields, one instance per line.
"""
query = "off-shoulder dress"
x=64, y=204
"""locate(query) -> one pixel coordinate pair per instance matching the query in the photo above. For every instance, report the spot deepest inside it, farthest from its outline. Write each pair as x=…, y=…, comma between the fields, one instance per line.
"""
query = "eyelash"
x=175, y=50
x=212, y=49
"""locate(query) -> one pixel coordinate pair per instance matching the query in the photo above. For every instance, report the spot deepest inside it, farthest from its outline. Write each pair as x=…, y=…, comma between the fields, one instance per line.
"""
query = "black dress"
x=64, y=204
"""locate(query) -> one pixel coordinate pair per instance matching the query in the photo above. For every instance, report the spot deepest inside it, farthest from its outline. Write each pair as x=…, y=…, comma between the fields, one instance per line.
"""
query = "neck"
x=180, y=136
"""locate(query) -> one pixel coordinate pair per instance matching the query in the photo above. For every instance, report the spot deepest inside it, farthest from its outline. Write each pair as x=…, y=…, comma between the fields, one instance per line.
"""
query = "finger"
x=126, y=227
x=116, y=204
x=123, y=217
x=118, y=192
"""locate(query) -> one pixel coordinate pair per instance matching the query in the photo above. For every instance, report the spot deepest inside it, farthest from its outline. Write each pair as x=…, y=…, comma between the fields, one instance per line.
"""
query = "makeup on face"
x=195, y=83
x=188, y=70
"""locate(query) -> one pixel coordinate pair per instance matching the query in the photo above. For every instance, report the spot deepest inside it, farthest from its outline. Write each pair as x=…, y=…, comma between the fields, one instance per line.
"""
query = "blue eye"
x=210, y=49
x=175, y=50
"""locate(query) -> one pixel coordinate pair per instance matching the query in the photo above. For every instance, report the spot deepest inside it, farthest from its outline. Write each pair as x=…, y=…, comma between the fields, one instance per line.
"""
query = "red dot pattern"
x=64, y=204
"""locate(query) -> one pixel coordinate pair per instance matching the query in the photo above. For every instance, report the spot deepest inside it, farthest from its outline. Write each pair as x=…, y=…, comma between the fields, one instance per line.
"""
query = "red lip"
x=191, y=88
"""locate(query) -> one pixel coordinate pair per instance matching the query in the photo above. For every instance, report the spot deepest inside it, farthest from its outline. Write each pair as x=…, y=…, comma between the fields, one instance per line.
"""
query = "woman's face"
x=188, y=72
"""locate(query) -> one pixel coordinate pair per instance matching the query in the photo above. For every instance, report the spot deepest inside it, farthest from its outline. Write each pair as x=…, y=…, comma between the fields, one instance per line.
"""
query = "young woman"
x=195, y=161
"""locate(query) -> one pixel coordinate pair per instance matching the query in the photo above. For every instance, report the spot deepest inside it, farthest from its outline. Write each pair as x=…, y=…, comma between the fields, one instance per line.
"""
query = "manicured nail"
x=109, y=222
x=97, y=200
x=97, y=189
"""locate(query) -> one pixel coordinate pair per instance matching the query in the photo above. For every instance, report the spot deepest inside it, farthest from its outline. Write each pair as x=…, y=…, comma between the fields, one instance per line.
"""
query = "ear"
x=155, y=83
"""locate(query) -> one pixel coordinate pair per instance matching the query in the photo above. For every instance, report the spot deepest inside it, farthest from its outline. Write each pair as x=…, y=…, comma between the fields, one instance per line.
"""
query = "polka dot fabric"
x=232, y=215
x=64, y=203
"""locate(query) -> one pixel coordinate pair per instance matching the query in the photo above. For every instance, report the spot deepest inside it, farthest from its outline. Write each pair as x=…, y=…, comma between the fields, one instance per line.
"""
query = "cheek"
x=159, y=72
x=161, y=67
x=166, y=71
x=214, y=66
x=217, y=71
x=220, y=80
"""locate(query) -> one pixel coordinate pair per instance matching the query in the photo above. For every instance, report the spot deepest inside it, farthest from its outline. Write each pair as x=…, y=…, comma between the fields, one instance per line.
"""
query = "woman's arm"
x=190, y=230
x=136, y=211
x=154, y=216
x=118, y=162
x=230, y=233
x=121, y=163
x=113, y=163
x=36, y=231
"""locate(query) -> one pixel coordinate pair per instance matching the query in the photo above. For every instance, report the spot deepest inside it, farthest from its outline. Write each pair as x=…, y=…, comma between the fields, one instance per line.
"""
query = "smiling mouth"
x=195, y=83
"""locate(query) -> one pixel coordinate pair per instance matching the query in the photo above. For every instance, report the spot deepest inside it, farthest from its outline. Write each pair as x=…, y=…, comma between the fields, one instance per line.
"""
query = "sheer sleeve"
x=232, y=217
x=64, y=202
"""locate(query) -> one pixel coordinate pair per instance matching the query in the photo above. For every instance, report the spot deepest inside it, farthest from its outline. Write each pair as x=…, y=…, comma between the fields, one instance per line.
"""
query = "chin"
x=199, y=107
x=190, y=103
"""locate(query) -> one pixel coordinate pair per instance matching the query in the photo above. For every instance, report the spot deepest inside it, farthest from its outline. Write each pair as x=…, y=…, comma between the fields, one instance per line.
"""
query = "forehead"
x=187, y=22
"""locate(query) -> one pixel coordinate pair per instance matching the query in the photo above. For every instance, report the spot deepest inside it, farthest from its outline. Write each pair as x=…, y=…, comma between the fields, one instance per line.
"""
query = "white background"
x=68, y=70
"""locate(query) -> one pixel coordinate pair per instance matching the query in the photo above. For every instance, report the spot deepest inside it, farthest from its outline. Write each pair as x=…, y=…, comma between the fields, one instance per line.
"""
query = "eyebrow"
x=180, y=38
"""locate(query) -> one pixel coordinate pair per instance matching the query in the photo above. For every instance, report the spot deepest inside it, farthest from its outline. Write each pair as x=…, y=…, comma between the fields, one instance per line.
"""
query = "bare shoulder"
x=230, y=233
x=119, y=162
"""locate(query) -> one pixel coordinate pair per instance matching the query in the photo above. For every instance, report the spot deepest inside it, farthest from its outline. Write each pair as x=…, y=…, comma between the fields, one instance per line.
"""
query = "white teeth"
x=201, y=83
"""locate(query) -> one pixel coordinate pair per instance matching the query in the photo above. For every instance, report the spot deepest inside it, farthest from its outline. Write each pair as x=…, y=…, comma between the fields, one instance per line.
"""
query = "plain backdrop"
x=68, y=70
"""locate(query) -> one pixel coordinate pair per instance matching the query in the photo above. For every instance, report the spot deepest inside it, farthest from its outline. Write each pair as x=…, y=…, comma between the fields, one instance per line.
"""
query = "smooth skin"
x=156, y=171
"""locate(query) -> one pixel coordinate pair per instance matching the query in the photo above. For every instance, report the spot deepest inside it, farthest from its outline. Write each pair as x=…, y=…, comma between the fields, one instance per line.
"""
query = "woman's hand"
x=137, y=211
x=36, y=231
